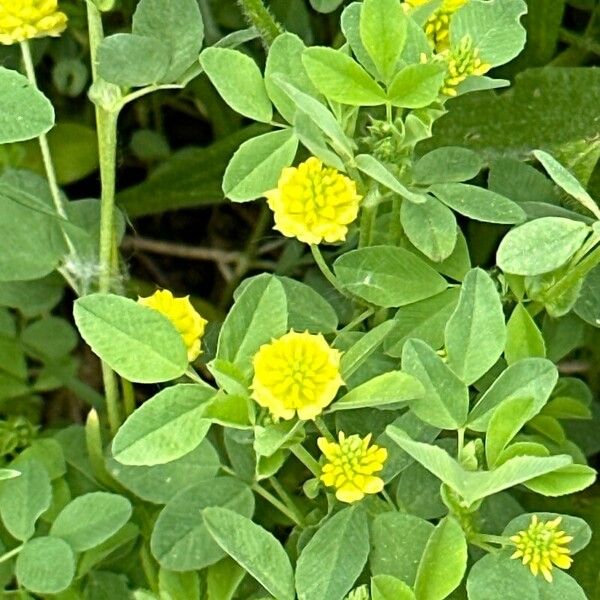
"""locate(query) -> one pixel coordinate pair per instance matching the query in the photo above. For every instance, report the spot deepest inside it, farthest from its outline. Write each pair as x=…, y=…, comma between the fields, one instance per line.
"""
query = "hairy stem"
x=257, y=14
x=106, y=126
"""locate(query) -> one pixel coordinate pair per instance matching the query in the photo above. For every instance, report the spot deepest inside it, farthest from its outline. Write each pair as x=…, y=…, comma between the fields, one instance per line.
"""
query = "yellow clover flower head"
x=314, y=203
x=350, y=466
x=22, y=20
x=296, y=373
x=462, y=63
x=183, y=316
x=541, y=546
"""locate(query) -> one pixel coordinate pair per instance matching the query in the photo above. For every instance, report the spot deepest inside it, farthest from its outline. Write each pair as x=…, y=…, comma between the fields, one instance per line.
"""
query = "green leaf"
x=446, y=400
x=383, y=27
x=534, y=114
x=528, y=378
x=424, y=320
x=339, y=78
x=253, y=548
x=350, y=25
x=32, y=298
x=523, y=338
x=388, y=388
x=180, y=539
x=476, y=332
x=494, y=27
x=239, y=82
x=258, y=315
x=159, y=483
x=416, y=86
x=177, y=24
x=444, y=561
x=45, y=565
x=478, y=203
x=540, y=246
x=24, y=498
x=398, y=541
x=50, y=338
x=567, y=480
x=444, y=165
x=325, y=6
x=256, y=167
x=430, y=227
x=223, y=578
x=26, y=206
x=588, y=303
x=130, y=60
x=508, y=419
x=567, y=181
x=164, y=428
x=25, y=112
x=91, y=519
x=317, y=113
x=8, y=474
x=178, y=586
x=358, y=353
x=285, y=57
x=373, y=168
x=137, y=342
x=386, y=587
x=331, y=562
x=475, y=485
x=387, y=276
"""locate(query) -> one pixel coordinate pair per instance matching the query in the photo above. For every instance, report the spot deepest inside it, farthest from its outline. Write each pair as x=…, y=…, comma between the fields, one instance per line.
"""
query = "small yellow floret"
x=314, y=203
x=350, y=466
x=541, y=546
x=297, y=372
x=437, y=26
x=22, y=20
x=462, y=63
x=183, y=316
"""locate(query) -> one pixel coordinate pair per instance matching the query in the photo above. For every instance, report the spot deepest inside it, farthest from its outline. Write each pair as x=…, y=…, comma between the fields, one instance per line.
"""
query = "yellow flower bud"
x=22, y=20
x=350, y=466
x=541, y=546
x=183, y=316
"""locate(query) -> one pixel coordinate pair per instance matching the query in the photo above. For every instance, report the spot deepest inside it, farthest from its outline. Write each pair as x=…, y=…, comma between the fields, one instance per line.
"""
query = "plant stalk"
x=11, y=553
x=257, y=14
x=106, y=126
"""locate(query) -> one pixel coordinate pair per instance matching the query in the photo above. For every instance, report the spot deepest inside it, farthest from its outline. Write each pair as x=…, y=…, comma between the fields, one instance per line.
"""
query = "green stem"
x=396, y=221
x=323, y=429
x=106, y=126
x=46, y=155
x=461, y=442
x=327, y=272
x=282, y=508
x=388, y=499
x=11, y=553
x=368, y=217
x=93, y=438
x=257, y=14
x=306, y=458
x=128, y=392
x=358, y=320
x=287, y=499
x=191, y=374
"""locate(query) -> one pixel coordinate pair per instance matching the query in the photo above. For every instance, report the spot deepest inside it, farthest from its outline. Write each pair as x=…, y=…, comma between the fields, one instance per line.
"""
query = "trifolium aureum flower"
x=350, y=466
x=183, y=316
x=437, y=26
x=314, y=203
x=541, y=546
x=296, y=373
x=462, y=62
x=22, y=20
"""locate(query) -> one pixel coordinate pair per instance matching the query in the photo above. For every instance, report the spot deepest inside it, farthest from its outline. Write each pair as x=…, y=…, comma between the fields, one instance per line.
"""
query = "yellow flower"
x=314, y=203
x=183, y=316
x=437, y=26
x=541, y=545
x=22, y=20
x=462, y=62
x=297, y=372
x=350, y=466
